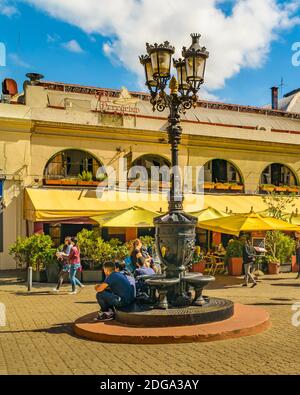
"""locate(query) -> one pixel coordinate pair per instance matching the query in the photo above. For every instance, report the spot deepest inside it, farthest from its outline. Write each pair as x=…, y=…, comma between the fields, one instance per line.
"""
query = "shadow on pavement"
x=286, y=285
x=57, y=329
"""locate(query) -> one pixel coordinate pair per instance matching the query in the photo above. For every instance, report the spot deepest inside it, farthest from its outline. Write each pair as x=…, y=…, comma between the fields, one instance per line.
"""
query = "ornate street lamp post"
x=175, y=231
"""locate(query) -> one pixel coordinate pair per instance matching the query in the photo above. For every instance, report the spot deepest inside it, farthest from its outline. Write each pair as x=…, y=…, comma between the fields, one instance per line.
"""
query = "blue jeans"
x=107, y=300
x=73, y=279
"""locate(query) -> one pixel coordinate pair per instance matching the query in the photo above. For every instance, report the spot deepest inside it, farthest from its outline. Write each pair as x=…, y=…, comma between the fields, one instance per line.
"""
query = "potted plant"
x=236, y=187
x=198, y=264
x=69, y=181
x=234, y=258
x=35, y=251
x=281, y=188
x=49, y=181
x=85, y=178
x=95, y=251
x=221, y=185
x=280, y=248
x=295, y=267
x=52, y=270
x=293, y=189
x=209, y=185
x=267, y=187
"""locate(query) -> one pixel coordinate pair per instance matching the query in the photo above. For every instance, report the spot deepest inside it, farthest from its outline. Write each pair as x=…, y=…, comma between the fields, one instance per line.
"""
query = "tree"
x=277, y=204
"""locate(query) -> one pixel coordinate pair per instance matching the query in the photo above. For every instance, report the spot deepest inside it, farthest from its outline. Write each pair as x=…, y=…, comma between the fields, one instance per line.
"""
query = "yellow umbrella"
x=134, y=217
x=208, y=213
x=251, y=222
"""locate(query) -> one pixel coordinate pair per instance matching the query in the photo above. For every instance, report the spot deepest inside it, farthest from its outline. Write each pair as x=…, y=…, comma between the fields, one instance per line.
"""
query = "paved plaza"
x=38, y=338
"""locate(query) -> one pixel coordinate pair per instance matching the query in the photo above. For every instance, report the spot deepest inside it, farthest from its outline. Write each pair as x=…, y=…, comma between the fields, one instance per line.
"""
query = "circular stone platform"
x=246, y=321
x=143, y=316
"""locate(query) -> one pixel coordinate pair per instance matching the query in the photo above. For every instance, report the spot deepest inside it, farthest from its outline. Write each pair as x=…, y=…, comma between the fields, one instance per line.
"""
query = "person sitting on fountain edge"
x=115, y=291
x=142, y=270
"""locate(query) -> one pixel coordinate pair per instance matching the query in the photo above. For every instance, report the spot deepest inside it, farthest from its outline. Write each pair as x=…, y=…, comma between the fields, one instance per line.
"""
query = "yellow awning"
x=234, y=224
x=208, y=213
x=54, y=204
x=47, y=204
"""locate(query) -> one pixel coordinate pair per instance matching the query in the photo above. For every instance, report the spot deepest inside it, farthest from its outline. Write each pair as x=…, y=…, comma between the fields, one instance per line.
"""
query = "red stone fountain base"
x=246, y=321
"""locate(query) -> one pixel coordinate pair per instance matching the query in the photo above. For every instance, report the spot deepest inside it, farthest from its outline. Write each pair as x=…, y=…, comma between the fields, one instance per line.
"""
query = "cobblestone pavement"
x=38, y=338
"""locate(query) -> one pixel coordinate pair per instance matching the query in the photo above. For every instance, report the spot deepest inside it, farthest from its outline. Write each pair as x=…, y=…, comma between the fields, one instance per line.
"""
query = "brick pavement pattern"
x=38, y=338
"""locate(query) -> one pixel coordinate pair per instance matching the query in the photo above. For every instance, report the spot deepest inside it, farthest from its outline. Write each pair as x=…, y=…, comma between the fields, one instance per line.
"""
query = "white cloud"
x=7, y=10
x=73, y=46
x=15, y=58
x=240, y=39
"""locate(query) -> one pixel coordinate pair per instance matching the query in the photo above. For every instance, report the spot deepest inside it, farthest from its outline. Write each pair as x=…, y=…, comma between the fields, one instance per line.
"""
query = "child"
x=115, y=291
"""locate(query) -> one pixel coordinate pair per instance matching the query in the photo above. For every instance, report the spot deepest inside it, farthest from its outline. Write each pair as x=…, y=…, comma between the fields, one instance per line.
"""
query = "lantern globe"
x=195, y=58
x=161, y=56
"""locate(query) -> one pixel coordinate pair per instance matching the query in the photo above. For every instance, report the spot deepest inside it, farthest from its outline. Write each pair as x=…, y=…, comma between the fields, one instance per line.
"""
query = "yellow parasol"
x=250, y=222
x=208, y=214
x=134, y=217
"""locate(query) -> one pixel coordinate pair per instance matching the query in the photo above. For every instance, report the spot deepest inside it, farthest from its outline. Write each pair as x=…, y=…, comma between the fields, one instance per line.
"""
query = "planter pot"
x=222, y=186
x=235, y=267
x=267, y=189
x=285, y=268
x=69, y=182
x=198, y=267
x=293, y=190
x=280, y=189
x=273, y=268
x=52, y=182
x=92, y=276
x=52, y=272
x=236, y=187
x=209, y=185
x=39, y=277
x=295, y=267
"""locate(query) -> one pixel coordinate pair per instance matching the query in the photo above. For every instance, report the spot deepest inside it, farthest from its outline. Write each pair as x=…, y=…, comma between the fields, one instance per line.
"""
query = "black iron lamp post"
x=175, y=231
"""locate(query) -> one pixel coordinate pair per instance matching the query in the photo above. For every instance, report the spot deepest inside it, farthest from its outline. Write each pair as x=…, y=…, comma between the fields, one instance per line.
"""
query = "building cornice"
x=122, y=134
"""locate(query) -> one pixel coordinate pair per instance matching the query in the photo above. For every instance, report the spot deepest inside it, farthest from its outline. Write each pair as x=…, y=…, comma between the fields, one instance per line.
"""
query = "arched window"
x=69, y=164
x=278, y=175
x=150, y=164
x=220, y=171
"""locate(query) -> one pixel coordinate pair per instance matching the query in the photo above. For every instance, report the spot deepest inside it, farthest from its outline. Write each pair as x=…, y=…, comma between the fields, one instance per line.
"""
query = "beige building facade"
x=243, y=146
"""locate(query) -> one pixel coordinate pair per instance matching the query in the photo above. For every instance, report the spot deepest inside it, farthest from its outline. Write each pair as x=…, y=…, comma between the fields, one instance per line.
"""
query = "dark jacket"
x=248, y=254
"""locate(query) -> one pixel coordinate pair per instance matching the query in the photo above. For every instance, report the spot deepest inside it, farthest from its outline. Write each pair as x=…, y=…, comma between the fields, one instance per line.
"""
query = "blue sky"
x=54, y=46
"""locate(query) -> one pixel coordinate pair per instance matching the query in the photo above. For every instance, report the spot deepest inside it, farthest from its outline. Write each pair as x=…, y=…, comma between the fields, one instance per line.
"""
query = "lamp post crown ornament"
x=174, y=86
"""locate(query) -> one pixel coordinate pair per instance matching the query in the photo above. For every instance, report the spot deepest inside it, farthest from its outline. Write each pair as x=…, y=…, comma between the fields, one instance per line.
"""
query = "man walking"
x=248, y=260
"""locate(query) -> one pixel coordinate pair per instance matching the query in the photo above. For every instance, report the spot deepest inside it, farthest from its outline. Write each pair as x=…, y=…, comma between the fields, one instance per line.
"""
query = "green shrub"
x=97, y=251
x=85, y=176
x=35, y=251
x=280, y=247
x=234, y=250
